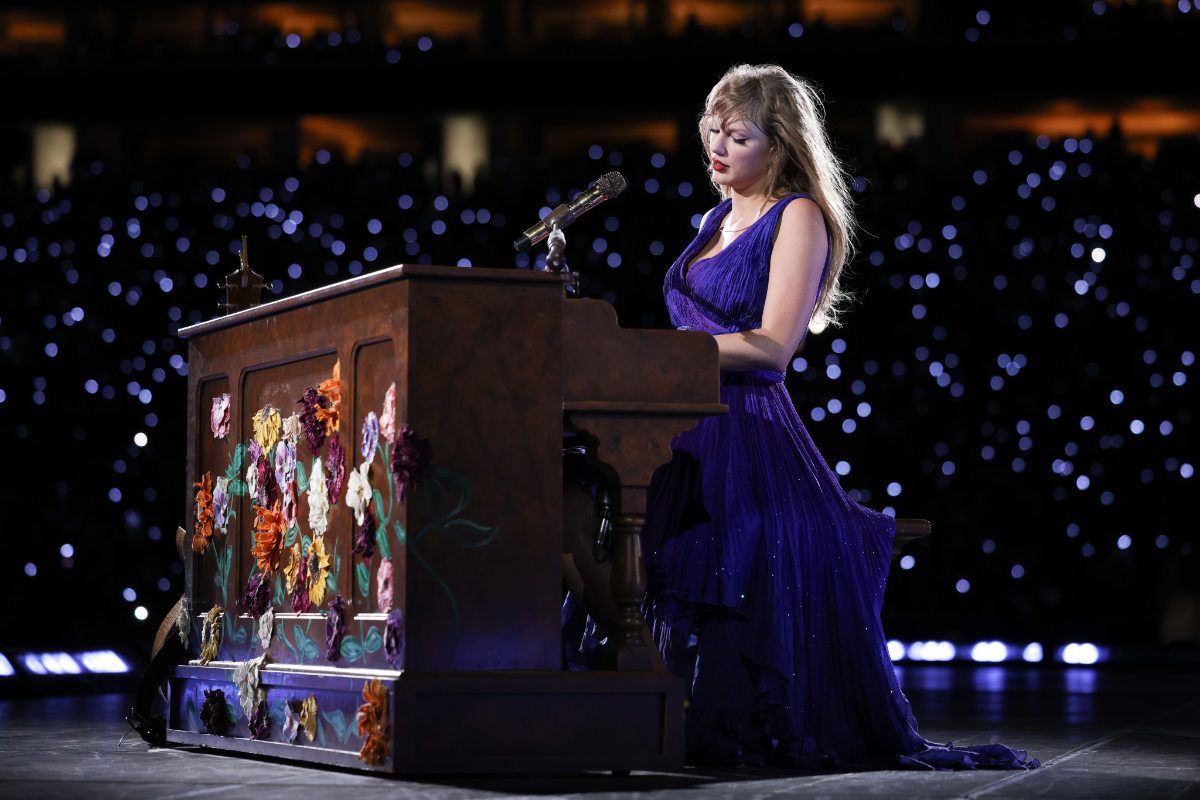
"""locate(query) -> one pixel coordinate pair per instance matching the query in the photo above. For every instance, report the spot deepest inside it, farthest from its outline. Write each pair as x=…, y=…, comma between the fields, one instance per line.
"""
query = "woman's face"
x=739, y=154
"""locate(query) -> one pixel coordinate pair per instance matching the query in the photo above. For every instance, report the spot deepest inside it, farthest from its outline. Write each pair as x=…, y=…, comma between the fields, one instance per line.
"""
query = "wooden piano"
x=461, y=670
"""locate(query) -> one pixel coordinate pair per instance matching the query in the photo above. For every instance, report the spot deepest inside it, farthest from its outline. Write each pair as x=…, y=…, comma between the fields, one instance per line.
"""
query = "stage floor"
x=1100, y=733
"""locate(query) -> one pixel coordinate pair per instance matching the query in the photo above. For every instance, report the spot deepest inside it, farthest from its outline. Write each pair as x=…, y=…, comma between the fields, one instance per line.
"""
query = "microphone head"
x=611, y=184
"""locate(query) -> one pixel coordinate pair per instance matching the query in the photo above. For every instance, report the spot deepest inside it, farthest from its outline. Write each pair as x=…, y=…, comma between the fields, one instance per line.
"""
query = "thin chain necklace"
x=757, y=216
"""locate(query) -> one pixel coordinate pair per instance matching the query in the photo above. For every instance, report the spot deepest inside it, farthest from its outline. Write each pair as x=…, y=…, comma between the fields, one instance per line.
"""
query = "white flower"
x=291, y=428
x=252, y=481
x=358, y=491
x=318, y=499
x=266, y=626
x=247, y=679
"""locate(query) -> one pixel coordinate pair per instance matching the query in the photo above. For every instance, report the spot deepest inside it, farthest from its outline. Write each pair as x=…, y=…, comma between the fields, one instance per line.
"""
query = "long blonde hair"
x=789, y=110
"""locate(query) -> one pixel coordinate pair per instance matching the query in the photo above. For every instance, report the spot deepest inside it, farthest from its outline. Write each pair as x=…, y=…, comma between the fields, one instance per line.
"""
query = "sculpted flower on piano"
x=219, y=419
x=358, y=491
x=288, y=504
x=335, y=463
x=308, y=717
x=268, y=537
x=257, y=597
x=393, y=639
x=318, y=570
x=221, y=503
x=314, y=429
x=252, y=487
x=268, y=491
x=267, y=424
x=373, y=723
x=330, y=391
x=292, y=430
x=291, y=720
x=285, y=462
x=260, y=722
x=335, y=628
x=370, y=436
x=412, y=460
x=204, y=514
x=300, y=602
x=383, y=584
x=210, y=635
x=213, y=713
x=266, y=627
x=183, y=622
x=318, y=499
x=364, y=542
x=387, y=420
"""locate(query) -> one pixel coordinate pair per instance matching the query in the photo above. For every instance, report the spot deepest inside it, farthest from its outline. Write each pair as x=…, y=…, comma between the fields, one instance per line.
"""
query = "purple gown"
x=765, y=579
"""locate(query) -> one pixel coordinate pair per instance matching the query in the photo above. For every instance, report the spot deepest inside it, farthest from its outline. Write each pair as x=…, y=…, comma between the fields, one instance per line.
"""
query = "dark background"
x=1018, y=367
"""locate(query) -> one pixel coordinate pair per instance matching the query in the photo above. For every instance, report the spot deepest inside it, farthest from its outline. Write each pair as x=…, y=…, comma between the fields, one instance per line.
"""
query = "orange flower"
x=373, y=723
x=331, y=390
x=268, y=537
x=204, y=514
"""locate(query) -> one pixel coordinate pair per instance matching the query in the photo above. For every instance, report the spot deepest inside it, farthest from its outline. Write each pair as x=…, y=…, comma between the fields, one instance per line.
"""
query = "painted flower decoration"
x=252, y=481
x=267, y=424
x=330, y=391
x=387, y=420
x=213, y=713
x=268, y=490
x=335, y=628
x=257, y=597
x=300, y=602
x=364, y=543
x=308, y=717
x=266, y=627
x=318, y=499
x=370, y=436
x=318, y=570
x=247, y=677
x=219, y=419
x=373, y=723
x=210, y=635
x=292, y=429
x=289, y=506
x=383, y=584
x=285, y=462
x=291, y=572
x=291, y=720
x=260, y=722
x=268, y=537
x=358, y=491
x=314, y=429
x=393, y=639
x=183, y=622
x=221, y=503
x=254, y=451
x=335, y=464
x=204, y=514
x=412, y=460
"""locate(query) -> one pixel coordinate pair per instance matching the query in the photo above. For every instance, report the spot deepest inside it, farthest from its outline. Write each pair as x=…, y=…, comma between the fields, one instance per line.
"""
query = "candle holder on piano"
x=243, y=287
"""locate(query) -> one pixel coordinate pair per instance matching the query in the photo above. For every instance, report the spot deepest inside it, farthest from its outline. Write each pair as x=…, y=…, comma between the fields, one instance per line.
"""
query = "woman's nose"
x=718, y=145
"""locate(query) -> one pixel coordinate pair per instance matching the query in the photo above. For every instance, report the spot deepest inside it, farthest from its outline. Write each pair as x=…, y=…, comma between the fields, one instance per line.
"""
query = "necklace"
x=757, y=216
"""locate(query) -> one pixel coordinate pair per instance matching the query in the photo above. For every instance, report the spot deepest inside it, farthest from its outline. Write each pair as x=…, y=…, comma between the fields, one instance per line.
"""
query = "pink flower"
x=335, y=469
x=387, y=420
x=383, y=584
x=220, y=416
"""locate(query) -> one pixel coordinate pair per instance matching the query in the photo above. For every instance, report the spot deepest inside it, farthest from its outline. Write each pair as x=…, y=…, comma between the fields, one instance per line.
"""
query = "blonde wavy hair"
x=790, y=111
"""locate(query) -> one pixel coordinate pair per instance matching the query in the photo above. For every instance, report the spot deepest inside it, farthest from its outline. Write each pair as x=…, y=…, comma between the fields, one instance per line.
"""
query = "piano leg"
x=634, y=653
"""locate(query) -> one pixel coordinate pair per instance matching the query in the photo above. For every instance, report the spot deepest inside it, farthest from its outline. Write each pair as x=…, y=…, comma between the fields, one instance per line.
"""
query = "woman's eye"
x=741, y=141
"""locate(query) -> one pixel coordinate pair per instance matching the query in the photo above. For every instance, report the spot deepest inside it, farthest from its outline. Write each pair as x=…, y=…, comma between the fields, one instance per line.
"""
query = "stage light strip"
x=95, y=662
x=994, y=652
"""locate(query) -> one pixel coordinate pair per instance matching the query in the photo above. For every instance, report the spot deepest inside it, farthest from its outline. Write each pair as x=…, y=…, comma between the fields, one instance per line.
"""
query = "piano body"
x=464, y=671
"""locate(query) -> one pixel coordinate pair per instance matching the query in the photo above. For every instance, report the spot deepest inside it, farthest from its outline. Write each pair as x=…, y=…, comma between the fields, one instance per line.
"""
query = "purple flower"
x=285, y=462
x=412, y=460
x=260, y=722
x=370, y=435
x=213, y=713
x=268, y=492
x=364, y=543
x=219, y=419
x=393, y=639
x=254, y=451
x=300, y=602
x=335, y=470
x=383, y=585
x=335, y=628
x=257, y=598
x=314, y=429
x=220, y=502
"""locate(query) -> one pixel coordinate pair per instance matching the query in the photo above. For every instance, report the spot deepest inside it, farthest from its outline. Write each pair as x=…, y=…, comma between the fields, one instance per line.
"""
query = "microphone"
x=606, y=187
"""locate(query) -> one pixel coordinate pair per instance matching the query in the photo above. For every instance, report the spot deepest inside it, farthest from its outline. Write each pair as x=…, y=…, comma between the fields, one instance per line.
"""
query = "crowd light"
x=1080, y=653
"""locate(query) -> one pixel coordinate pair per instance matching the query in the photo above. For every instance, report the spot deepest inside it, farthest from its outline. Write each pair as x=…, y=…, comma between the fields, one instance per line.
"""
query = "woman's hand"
x=797, y=261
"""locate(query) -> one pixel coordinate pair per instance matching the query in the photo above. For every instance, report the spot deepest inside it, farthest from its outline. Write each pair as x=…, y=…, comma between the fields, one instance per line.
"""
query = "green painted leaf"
x=362, y=574
x=341, y=726
x=301, y=479
x=306, y=646
x=380, y=517
x=381, y=540
x=278, y=715
x=235, y=463
x=281, y=635
x=334, y=570
x=401, y=534
x=289, y=538
x=237, y=488
x=278, y=599
x=373, y=640
x=351, y=649
x=234, y=711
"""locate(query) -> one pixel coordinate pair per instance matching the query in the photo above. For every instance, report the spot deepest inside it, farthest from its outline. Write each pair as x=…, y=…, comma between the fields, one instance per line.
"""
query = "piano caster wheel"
x=620, y=773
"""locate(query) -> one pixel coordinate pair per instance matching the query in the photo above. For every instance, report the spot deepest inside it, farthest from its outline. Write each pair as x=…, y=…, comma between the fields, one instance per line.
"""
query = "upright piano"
x=294, y=649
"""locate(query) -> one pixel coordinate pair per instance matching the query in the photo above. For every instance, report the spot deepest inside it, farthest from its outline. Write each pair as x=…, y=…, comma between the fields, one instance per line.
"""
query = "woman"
x=766, y=580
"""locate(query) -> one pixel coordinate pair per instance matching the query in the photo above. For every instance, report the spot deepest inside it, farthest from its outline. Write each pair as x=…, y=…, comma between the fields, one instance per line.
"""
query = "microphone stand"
x=556, y=259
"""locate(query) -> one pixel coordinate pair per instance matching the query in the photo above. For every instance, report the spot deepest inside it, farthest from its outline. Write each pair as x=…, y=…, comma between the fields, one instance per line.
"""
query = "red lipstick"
x=718, y=166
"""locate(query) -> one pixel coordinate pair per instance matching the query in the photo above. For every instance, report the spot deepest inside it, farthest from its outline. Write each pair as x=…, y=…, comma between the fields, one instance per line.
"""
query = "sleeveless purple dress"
x=765, y=579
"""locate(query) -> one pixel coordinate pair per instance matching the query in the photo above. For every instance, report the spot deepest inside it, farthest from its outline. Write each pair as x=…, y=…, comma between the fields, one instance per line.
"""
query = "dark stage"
x=1100, y=733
